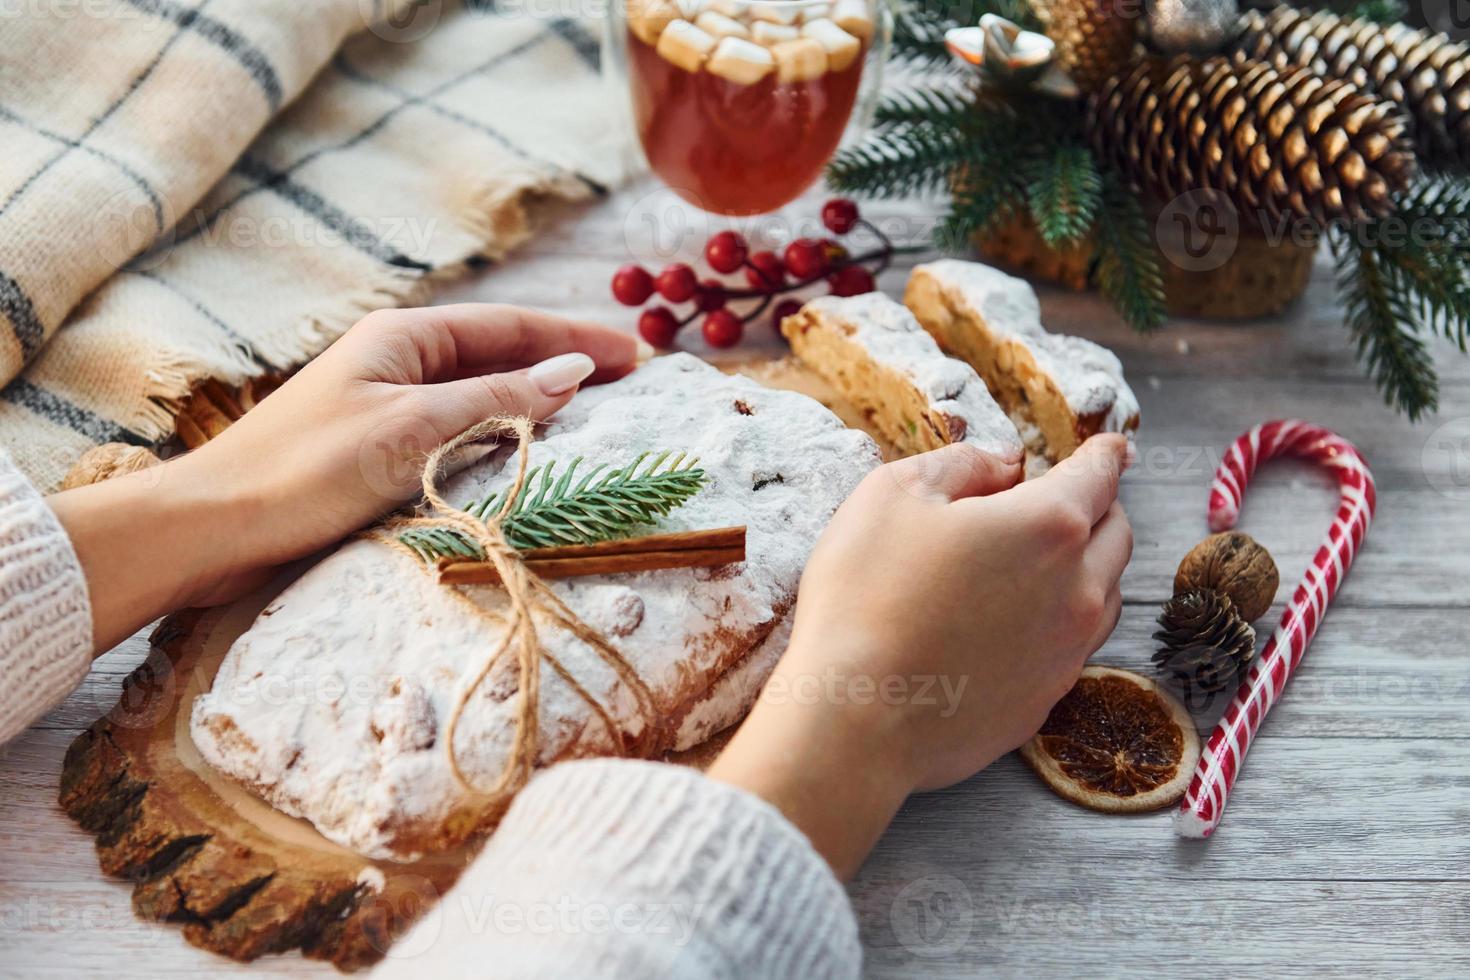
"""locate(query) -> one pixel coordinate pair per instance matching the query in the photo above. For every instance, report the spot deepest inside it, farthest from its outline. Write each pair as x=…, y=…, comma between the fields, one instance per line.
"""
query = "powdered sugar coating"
x=332, y=706
x=893, y=338
x=1090, y=377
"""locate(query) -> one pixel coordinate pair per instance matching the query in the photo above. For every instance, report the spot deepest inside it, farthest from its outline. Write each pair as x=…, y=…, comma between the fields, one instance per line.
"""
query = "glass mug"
x=739, y=104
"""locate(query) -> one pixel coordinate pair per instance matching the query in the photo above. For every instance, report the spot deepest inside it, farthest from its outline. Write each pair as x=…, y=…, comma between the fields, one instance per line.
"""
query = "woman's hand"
x=334, y=448
x=944, y=612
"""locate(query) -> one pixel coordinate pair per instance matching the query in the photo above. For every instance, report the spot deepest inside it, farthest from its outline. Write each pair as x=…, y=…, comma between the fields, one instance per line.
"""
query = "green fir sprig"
x=1127, y=269
x=551, y=511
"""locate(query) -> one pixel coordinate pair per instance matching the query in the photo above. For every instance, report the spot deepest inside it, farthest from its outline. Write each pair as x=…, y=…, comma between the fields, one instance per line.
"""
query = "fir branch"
x=898, y=164
x=1063, y=191
x=1380, y=314
x=1127, y=261
x=1378, y=11
x=1425, y=246
x=941, y=107
x=553, y=511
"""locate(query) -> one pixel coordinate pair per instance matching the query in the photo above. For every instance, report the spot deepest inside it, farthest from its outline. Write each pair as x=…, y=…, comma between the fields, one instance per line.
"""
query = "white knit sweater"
x=601, y=869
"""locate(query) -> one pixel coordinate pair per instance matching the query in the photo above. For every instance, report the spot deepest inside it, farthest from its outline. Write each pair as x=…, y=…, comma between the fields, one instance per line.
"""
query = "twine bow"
x=530, y=598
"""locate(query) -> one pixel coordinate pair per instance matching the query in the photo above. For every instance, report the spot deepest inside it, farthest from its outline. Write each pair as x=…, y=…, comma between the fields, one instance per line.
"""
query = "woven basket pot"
x=1248, y=276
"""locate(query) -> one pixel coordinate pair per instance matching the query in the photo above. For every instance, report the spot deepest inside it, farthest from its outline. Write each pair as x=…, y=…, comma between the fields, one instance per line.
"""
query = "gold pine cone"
x=1280, y=142
x=1234, y=565
x=1094, y=38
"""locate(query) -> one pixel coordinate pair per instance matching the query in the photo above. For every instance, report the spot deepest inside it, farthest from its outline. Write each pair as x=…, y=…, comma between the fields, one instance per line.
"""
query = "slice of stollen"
x=878, y=357
x=1058, y=389
x=333, y=705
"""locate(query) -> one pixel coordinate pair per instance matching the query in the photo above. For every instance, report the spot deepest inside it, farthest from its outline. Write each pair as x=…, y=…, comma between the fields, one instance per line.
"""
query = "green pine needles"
x=1001, y=155
x=551, y=511
x=1404, y=276
x=998, y=162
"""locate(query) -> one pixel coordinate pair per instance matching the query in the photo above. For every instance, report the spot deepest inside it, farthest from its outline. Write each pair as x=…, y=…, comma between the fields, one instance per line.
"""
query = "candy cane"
x=1204, y=801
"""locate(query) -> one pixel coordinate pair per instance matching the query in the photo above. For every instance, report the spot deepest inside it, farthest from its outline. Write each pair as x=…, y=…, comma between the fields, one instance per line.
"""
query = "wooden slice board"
x=242, y=878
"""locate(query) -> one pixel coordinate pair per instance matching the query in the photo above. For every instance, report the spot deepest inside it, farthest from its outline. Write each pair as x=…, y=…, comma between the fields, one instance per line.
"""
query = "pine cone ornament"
x=1204, y=641
x=1094, y=38
x=1423, y=72
x=1280, y=143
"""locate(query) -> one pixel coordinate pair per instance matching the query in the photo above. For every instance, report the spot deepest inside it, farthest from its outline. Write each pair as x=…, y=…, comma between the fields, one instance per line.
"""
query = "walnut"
x=106, y=461
x=1235, y=565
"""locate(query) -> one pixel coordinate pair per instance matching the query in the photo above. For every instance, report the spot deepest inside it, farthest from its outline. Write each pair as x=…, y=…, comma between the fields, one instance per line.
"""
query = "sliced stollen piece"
x=333, y=706
x=873, y=351
x=1058, y=389
x=685, y=45
x=741, y=62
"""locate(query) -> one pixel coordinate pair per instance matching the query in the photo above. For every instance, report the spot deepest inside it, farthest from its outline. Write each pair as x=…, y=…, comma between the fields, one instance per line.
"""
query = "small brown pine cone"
x=1204, y=642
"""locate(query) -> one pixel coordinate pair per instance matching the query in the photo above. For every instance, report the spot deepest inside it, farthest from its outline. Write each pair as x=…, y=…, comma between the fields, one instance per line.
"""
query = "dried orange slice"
x=1116, y=743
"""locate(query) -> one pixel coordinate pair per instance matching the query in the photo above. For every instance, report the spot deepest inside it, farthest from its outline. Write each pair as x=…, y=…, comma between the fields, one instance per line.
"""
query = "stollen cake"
x=1057, y=389
x=333, y=705
x=878, y=357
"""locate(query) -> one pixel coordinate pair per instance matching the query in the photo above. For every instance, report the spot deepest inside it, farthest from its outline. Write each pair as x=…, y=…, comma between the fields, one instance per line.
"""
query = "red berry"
x=676, y=283
x=711, y=296
x=806, y=258
x=632, y=285
x=722, y=329
x=835, y=250
x=658, y=325
x=839, y=215
x=851, y=280
x=765, y=272
x=785, y=308
x=726, y=251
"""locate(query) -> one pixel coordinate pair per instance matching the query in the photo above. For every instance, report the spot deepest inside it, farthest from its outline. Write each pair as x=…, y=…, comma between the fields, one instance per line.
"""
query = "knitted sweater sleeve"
x=45, y=616
x=617, y=868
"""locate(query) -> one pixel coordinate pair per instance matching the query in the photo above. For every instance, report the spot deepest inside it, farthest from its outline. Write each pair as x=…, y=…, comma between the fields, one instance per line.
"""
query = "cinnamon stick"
x=681, y=549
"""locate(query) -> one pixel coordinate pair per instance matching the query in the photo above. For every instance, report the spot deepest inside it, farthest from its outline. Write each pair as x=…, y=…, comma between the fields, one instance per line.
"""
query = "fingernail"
x=643, y=352
x=556, y=375
x=1130, y=455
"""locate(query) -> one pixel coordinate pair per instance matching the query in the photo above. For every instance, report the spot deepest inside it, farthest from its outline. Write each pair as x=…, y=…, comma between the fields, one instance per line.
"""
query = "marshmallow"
x=853, y=17
x=775, y=13
x=734, y=9
x=714, y=23
x=648, y=18
x=841, y=47
x=685, y=45
x=800, y=60
x=768, y=34
x=815, y=11
x=740, y=61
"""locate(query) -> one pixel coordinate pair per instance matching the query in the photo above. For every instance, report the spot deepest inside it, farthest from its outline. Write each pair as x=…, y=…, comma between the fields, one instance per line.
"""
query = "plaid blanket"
x=218, y=188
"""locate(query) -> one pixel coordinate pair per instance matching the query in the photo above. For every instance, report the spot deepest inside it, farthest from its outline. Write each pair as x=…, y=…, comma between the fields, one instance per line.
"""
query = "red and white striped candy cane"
x=1204, y=801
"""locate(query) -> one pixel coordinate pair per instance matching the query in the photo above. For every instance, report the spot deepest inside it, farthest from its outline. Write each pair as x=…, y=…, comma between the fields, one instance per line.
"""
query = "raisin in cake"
x=333, y=705
x=1059, y=390
x=878, y=357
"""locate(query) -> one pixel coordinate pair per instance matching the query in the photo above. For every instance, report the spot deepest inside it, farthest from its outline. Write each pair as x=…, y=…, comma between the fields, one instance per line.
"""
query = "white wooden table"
x=1344, y=849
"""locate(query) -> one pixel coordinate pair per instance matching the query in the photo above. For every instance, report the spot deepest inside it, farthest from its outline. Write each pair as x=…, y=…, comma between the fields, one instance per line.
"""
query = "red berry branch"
x=767, y=276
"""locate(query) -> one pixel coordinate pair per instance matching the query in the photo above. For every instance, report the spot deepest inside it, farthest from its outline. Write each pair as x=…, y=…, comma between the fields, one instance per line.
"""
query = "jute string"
x=530, y=600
